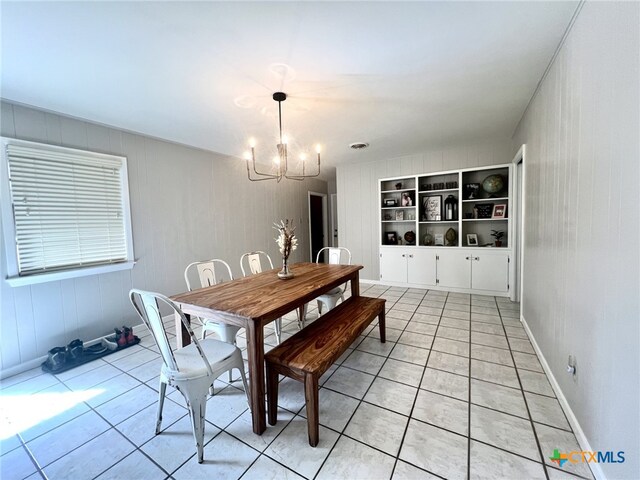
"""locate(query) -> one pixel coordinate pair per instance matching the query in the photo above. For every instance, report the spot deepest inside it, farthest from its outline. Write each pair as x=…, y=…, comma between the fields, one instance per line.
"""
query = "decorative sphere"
x=493, y=184
x=410, y=236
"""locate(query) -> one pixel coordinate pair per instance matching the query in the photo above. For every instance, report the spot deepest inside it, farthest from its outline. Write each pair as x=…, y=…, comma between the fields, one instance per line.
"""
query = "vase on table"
x=285, y=273
x=287, y=243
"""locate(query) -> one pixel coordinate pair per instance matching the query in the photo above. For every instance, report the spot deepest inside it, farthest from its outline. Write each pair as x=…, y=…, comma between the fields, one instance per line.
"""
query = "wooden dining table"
x=257, y=300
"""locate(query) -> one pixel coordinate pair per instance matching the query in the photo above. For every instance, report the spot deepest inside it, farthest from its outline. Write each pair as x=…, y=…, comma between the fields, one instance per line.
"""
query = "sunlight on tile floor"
x=456, y=392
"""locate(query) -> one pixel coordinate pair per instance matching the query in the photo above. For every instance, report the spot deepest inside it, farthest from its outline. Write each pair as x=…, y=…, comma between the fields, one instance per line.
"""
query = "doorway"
x=317, y=223
x=518, y=252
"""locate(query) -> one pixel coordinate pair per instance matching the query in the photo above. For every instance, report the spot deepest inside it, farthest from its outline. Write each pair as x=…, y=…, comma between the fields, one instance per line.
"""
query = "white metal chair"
x=330, y=299
x=207, y=275
x=254, y=263
x=192, y=369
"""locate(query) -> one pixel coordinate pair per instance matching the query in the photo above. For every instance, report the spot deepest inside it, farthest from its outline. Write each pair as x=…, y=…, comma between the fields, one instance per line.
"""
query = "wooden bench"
x=310, y=352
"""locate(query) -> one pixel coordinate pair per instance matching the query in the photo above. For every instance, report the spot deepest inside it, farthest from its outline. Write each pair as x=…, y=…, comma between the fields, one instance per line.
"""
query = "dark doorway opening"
x=317, y=215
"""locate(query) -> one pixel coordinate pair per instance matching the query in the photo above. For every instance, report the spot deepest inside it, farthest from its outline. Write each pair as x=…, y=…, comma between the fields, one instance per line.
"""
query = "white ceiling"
x=401, y=76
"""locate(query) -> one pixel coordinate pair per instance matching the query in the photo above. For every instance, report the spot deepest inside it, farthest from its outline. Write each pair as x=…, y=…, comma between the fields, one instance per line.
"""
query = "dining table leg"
x=255, y=351
x=355, y=284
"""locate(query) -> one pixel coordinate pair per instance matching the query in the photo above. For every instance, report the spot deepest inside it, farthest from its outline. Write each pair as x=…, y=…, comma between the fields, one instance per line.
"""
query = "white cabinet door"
x=454, y=269
x=490, y=271
x=393, y=265
x=421, y=267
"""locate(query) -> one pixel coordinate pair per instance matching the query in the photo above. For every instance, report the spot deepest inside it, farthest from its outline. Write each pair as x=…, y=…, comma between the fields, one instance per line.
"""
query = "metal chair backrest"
x=147, y=304
x=335, y=255
x=207, y=272
x=254, y=262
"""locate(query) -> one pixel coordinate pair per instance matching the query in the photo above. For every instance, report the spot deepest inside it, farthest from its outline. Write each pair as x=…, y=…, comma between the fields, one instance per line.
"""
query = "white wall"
x=187, y=204
x=581, y=257
x=358, y=201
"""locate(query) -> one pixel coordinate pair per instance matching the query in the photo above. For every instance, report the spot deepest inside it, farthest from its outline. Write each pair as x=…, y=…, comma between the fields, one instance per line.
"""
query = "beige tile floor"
x=456, y=392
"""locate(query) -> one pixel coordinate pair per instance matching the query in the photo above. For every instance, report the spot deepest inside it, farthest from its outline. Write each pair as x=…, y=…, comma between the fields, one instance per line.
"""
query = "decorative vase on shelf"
x=287, y=242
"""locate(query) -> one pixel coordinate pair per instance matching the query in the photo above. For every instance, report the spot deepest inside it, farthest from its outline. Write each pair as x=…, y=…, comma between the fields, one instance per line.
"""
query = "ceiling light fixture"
x=359, y=145
x=280, y=161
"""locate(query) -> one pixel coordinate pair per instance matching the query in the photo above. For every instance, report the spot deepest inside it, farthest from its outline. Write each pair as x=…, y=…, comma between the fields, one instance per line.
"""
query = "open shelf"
x=487, y=200
x=485, y=219
x=438, y=221
x=439, y=191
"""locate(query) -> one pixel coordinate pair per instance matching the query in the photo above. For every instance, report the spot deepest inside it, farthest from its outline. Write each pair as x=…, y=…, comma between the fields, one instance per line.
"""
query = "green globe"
x=493, y=184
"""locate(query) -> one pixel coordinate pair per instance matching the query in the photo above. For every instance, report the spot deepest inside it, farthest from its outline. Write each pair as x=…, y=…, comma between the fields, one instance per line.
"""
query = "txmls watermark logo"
x=586, y=457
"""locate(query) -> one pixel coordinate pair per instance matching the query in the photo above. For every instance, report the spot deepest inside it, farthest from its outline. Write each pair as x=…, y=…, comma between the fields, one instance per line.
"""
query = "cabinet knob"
x=403, y=255
x=477, y=259
x=467, y=258
x=410, y=256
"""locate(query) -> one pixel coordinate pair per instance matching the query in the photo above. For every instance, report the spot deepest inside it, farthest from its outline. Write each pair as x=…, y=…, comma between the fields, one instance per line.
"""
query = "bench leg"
x=381, y=326
x=272, y=395
x=313, y=408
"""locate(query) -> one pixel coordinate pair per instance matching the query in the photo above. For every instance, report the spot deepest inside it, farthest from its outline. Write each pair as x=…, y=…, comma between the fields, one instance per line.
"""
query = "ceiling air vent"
x=359, y=145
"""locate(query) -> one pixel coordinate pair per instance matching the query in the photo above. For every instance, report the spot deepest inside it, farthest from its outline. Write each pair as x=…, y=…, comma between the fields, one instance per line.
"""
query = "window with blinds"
x=70, y=208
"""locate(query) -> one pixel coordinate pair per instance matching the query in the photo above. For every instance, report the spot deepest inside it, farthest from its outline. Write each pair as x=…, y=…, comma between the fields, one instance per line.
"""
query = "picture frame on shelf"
x=391, y=238
x=432, y=207
x=399, y=215
x=472, y=239
x=390, y=202
x=407, y=199
x=499, y=210
x=439, y=240
x=471, y=191
x=485, y=210
x=387, y=217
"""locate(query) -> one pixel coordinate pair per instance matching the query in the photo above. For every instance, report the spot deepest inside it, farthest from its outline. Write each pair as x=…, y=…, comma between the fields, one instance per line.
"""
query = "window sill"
x=65, y=274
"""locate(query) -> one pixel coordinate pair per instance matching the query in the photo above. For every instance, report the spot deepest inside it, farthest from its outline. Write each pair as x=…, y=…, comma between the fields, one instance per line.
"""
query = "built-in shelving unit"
x=419, y=203
x=435, y=230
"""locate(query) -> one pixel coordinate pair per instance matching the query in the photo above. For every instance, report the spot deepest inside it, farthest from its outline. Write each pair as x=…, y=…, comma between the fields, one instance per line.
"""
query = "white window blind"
x=70, y=208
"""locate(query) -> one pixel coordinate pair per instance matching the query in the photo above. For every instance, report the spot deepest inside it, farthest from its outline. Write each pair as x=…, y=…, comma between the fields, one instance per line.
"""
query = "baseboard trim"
x=36, y=362
x=436, y=288
x=596, y=469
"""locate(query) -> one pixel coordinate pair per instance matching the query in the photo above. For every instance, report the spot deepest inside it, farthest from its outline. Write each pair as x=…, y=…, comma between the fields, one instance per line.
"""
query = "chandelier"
x=280, y=161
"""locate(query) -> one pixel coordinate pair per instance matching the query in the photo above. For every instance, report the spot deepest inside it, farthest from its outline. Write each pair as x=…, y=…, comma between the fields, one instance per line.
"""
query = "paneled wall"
x=581, y=255
x=358, y=200
x=187, y=204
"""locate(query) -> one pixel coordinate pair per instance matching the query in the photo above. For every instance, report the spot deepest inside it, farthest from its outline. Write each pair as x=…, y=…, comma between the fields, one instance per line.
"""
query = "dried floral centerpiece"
x=287, y=242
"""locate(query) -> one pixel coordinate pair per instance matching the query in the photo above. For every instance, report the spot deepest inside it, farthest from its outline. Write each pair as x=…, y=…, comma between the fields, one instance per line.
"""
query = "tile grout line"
x=469, y=396
x=524, y=397
x=115, y=427
x=297, y=414
x=396, y=457
x=413, y=406
x=40, y=469
x=92, y=409
x=359, y=401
